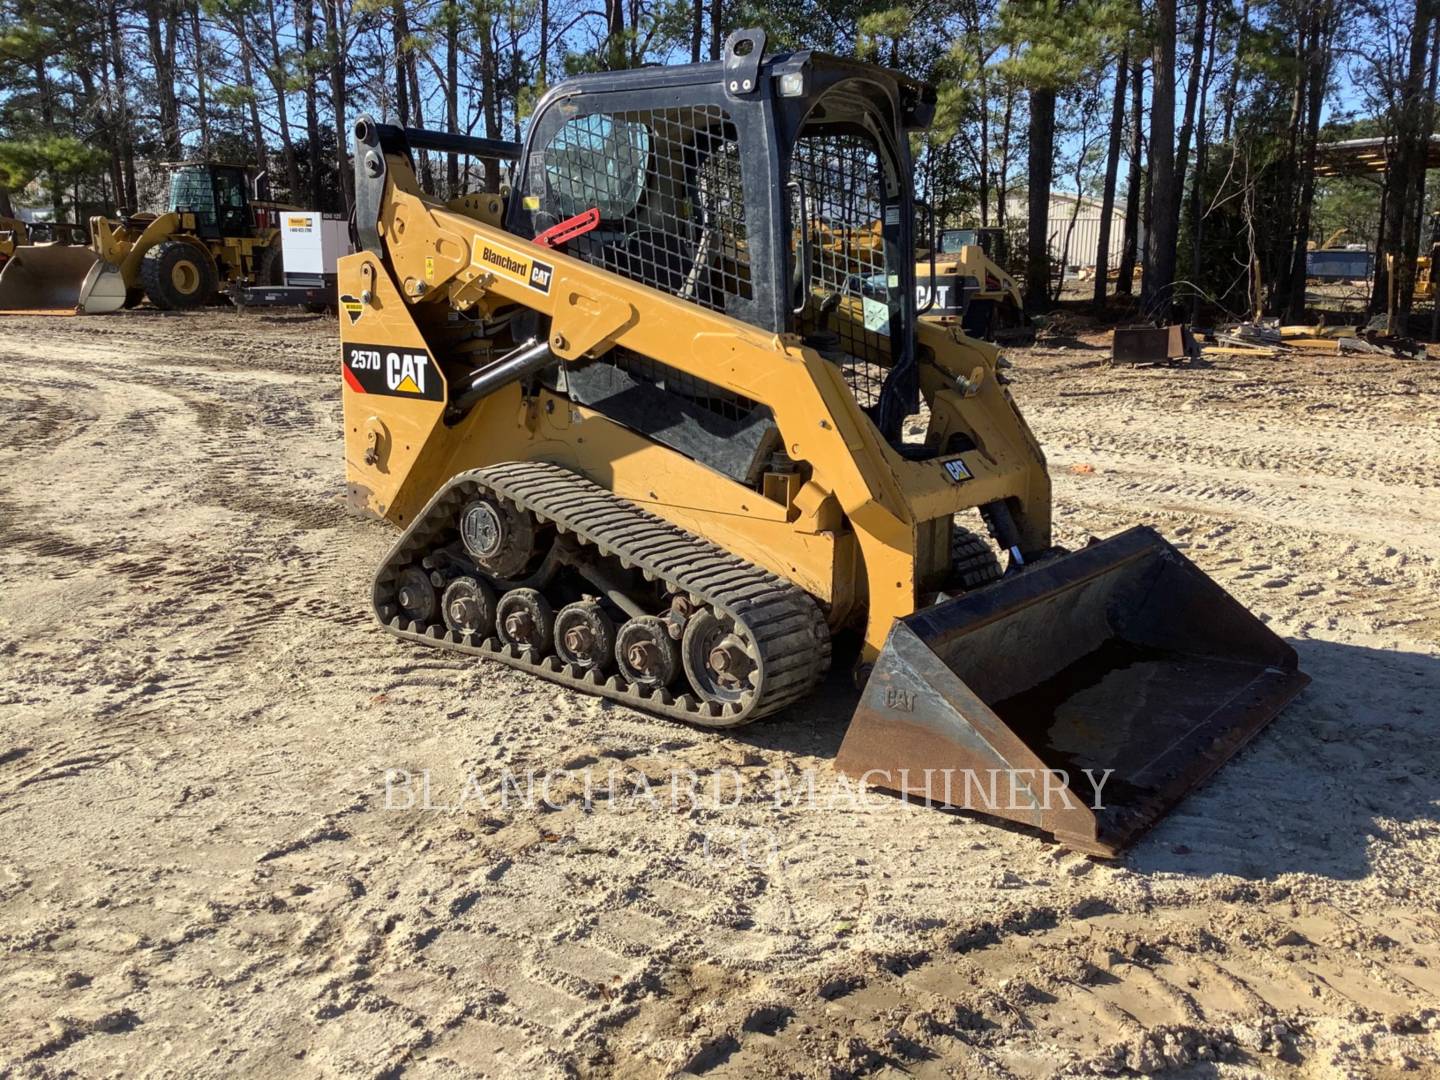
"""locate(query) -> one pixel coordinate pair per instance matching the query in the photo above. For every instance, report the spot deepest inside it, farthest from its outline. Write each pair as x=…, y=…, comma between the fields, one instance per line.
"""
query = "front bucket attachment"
x=1083, y=697
x=58, y=279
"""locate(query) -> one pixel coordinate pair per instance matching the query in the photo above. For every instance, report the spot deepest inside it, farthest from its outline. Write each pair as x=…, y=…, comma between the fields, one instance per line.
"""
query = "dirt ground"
x=202, y=870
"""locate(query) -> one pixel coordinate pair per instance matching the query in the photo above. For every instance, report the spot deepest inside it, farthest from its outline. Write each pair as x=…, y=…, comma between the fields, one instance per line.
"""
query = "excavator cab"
x=666, y=416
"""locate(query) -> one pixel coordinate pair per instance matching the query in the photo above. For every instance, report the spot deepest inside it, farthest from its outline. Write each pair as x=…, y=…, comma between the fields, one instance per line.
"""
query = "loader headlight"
x=792, y=84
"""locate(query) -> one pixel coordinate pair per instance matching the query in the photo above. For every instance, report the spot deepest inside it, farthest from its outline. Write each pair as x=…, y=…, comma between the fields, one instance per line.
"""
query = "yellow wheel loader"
x=212, y=234
x=647, y=437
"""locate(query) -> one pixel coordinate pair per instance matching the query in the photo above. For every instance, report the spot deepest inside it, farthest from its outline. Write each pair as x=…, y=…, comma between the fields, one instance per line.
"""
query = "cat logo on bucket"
x=371, y=369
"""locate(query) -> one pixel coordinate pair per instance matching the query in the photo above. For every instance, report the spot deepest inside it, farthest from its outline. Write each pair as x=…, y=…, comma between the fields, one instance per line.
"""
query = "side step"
x=1122, y=659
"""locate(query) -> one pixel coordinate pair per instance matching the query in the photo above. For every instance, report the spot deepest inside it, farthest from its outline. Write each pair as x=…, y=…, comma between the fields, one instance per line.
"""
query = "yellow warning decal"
x=429, y=268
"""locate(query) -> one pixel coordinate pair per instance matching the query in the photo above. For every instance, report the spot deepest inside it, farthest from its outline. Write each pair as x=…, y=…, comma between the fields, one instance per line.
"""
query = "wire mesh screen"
x=667, y=184
x=848, y=317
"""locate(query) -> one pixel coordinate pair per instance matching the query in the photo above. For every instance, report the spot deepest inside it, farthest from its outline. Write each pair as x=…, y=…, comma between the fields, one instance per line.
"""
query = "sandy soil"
x=201, y=871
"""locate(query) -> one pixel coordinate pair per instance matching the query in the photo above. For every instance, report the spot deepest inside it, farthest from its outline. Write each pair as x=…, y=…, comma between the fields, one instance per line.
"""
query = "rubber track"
x=785, y=626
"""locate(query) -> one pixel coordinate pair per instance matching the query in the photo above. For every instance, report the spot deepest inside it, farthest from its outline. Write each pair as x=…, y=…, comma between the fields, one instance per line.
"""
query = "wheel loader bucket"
x=1084, y=696
x=58, y=279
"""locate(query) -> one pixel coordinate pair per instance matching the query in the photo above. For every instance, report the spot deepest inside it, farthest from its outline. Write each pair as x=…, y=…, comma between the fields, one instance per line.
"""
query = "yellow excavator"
x=213, y=233
x=649, y=434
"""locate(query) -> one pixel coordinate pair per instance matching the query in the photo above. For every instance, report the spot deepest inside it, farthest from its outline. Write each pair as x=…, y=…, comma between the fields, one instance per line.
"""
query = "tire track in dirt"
x=234, y=855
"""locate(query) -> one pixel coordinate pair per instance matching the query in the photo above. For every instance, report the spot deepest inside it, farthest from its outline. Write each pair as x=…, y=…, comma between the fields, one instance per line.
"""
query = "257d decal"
x=372, y=369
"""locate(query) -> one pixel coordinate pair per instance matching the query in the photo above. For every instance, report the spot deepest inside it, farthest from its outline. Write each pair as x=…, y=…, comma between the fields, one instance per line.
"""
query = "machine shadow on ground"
x=1349, y=763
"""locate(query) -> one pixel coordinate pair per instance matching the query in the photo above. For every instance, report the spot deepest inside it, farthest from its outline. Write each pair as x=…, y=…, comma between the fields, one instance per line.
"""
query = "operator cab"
x=218, y=196
x=776, y=189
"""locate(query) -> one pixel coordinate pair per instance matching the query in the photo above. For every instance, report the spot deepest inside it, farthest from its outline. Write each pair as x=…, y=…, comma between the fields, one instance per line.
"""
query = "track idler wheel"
x=416, y=596
x=585, y=636
x=524, y=618
x=498, y=537
x=718, y=663
x=468, y=607
x=646, y=653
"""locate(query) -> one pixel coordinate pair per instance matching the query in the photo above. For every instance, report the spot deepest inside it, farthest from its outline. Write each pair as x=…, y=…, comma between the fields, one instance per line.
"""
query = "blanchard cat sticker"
x=371, y=369
x=958, y=470
x=521, y=268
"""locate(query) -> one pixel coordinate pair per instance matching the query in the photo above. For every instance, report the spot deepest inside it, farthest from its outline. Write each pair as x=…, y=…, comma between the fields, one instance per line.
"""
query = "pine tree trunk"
x=335, y=41
x=1197, y=184
x=1192, y=102
x=1130, y=245
x=129, y=197
x=488, y=104
x=452, y=93
x=399, y=31
x=312, y=107
x=717, y=30
x=1234, y=87
x=1159, y=280
x=1112, y=171
x=1041, y=166
x=615, y=51
x=984, y=169
x=161, y=28
x=1317, y=70
x=1002, y=182
x=282, y=108
x=1405, y=182
x=247, y=74
x=202, y=112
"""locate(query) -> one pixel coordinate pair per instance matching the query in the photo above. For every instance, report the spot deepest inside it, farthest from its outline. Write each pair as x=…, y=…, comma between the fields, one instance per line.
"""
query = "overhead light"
x=792, y=84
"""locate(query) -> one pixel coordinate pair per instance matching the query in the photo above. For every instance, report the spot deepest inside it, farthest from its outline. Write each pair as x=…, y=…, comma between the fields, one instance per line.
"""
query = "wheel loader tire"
x=178, y=276
x=973, y=561
x=134, y=296
x=270, y=266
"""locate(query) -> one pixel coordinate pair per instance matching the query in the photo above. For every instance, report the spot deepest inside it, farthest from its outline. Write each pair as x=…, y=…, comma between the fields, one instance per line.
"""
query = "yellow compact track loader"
x=1426, y=265
x=212, y=234
x=13, y=234
x=964, y=282
x=644, y=427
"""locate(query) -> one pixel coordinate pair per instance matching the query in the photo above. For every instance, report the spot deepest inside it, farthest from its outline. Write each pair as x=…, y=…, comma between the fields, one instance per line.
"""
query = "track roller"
x=524, y=618
x=585, y=636
x=468, y=607
x=416, y=596
x=717, y=661
x=646, y=653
